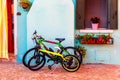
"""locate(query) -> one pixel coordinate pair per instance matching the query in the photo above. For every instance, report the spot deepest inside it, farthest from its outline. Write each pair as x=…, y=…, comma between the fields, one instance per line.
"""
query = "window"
x=106, y=10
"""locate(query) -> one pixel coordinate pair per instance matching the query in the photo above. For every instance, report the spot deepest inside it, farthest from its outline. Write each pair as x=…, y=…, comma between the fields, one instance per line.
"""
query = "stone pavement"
x=16, y=71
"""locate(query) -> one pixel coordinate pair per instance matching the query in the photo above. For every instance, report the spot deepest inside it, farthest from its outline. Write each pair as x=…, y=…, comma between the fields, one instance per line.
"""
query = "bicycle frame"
x=41, y=43
x=53, y=53
x=46, y=50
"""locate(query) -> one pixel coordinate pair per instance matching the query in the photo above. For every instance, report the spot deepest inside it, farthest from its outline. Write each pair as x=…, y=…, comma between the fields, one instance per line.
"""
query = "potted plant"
x=95, y=22
x=82, y=50
x=25, y=4
x=86, y=39
x=105, y=39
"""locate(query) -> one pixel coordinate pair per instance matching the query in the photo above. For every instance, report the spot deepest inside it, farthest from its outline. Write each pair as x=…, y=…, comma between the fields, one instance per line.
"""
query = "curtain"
x=3, y=29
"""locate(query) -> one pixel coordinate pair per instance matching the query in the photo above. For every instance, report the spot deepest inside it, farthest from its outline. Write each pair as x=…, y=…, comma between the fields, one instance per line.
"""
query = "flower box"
x=91, y=39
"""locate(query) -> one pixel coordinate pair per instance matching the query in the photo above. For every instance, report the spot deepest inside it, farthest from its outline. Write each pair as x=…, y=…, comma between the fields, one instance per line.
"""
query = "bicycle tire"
x=71, y=64
x=28, y=55
x=34, y=64
x=72, y=51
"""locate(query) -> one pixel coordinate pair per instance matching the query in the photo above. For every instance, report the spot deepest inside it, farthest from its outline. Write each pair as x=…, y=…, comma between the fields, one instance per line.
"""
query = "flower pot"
x=24, y=5
x=95, y=26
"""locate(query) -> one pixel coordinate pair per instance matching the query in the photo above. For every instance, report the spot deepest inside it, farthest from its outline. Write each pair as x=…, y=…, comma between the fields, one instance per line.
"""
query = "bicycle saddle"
x=60, y=39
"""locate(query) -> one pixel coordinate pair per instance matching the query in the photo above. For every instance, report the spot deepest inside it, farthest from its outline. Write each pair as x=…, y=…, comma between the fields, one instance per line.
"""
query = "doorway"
x=10, y=26
x=10, y=14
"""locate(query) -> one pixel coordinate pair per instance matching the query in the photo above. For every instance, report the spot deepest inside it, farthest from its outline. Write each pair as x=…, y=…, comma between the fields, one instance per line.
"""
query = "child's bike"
x=39, y=52
x=69, y=63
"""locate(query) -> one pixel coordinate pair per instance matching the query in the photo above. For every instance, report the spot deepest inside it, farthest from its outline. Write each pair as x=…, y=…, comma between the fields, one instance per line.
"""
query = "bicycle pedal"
x=56, y=62
x=49, y=67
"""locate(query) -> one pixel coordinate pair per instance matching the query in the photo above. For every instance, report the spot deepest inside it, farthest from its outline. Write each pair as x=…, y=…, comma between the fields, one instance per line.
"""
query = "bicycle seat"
x=60, y=39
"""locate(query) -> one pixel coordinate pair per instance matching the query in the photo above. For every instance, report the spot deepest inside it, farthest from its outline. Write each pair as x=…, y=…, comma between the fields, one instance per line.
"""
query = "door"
x=10, y=27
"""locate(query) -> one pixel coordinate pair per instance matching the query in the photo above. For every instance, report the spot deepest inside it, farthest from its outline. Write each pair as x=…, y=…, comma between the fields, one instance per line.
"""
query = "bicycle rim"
x=30, y=53
x=71, y=64
x=72, y=51
x=36, y=62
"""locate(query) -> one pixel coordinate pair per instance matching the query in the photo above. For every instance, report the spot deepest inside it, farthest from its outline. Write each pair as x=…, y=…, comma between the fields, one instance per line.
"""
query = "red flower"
x=25, y=5
x=95, y=19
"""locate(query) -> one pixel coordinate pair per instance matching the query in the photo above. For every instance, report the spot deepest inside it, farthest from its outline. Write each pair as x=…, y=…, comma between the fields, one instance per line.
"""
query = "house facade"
x=58, y=19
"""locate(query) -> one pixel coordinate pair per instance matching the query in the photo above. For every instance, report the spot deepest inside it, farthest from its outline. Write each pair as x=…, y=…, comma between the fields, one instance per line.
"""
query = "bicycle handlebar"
x=35, y=37
x=35, y=32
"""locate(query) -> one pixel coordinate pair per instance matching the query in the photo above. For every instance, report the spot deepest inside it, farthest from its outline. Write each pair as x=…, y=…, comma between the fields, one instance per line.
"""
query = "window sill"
x=96, y=31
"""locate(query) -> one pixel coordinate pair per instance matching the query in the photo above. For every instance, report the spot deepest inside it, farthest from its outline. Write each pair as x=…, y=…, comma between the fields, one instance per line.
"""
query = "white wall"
x=52, y=19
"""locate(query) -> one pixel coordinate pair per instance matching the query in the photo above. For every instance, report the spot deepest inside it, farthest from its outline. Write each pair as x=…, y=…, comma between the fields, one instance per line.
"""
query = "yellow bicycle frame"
x=53, y=53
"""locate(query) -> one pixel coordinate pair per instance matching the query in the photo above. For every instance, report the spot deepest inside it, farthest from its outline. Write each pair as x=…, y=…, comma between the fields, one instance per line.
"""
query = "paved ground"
x=16, y=71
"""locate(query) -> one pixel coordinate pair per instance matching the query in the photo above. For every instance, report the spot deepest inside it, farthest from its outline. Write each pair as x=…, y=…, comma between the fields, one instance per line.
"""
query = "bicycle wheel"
x=30, y=53
x=72, y=51
x=71, y=64
x=36, y=62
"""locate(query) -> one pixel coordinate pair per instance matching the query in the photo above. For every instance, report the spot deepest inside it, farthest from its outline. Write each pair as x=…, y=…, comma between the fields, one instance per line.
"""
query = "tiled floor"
x=17, y=71
x=10, y=70
x=12, y=58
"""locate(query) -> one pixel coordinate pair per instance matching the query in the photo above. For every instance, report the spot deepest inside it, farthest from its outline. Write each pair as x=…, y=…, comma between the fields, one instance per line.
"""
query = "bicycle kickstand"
x=50, y=66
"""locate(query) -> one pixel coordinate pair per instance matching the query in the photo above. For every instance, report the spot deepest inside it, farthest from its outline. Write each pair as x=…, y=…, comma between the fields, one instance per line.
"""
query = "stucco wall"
x=21, y=33
x=95, y=53
x=109, y=54
x=51, y=20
